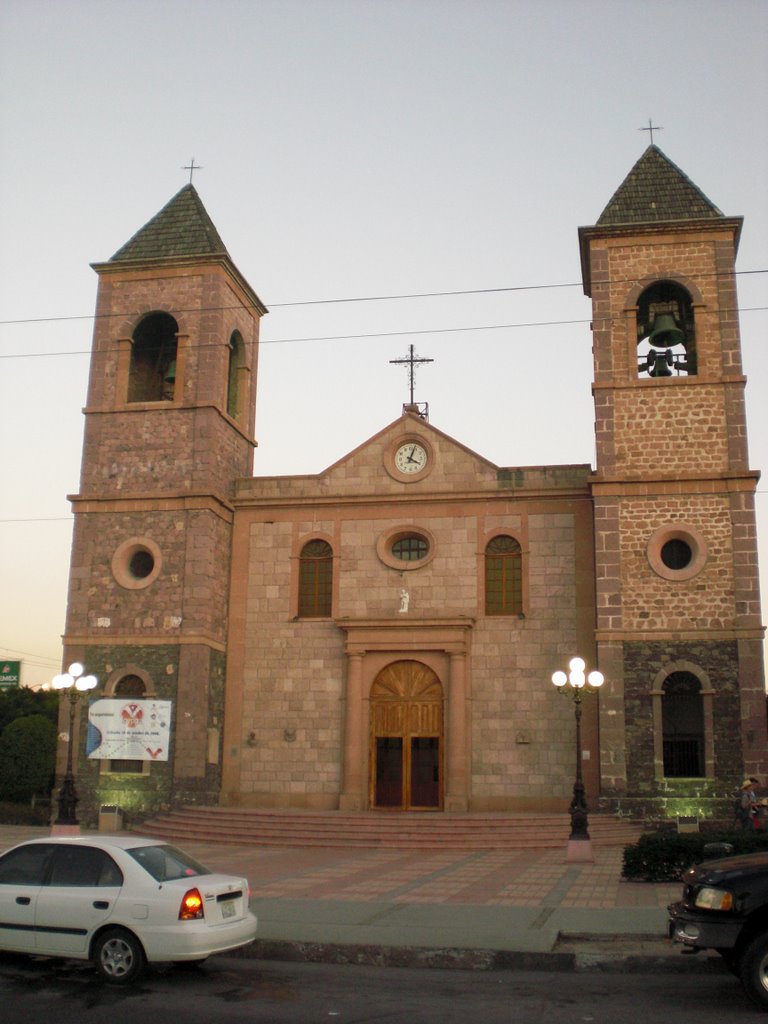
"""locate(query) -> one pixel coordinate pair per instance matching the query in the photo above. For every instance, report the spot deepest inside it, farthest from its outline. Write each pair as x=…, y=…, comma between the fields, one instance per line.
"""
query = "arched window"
x=503, y=577
x=129, y=686
x=315, y=580
x=682, y=725
x=152, y=375
x=666, y=332
x=233, y=374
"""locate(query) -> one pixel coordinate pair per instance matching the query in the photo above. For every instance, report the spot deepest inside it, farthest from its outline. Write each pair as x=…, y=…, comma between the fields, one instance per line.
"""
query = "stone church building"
x=382, y=635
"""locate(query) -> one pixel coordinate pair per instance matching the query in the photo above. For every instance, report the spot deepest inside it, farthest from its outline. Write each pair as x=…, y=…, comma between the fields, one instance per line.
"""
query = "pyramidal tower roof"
x=181, y=228
x=656, y=190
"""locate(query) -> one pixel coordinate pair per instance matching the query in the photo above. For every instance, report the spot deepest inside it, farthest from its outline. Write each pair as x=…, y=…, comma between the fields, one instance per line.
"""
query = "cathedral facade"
x=382, y=635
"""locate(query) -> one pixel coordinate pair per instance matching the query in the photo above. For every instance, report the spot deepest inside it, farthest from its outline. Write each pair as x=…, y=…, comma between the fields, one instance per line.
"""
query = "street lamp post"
x=74, y=684
x=576, y=683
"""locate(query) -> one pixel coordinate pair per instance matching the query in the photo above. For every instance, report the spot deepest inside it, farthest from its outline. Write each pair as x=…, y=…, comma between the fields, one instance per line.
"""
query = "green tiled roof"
x=181, y=228
x=656, y=190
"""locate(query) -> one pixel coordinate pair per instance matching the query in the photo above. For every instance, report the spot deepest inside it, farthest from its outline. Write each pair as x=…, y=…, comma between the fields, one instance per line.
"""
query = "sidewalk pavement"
x=480, y=910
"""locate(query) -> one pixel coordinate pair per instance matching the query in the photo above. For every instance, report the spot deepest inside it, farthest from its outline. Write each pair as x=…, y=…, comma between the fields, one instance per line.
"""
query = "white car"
x=120, y=901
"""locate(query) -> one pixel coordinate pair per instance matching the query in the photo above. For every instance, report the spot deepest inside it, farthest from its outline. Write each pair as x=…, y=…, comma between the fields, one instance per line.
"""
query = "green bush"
x=664, y=856
x=25, y=814
x=27, y=758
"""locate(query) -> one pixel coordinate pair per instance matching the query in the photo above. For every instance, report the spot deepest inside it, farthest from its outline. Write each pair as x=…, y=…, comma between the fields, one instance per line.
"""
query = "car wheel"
x=754, y=970
x=118, y=956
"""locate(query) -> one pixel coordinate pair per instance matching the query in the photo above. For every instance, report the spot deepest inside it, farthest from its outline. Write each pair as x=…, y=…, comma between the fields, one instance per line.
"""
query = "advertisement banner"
x=130, y=729
x=10, y=674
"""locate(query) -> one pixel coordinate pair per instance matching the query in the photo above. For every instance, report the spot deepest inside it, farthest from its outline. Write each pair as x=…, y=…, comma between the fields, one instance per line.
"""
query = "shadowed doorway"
x=406, y=742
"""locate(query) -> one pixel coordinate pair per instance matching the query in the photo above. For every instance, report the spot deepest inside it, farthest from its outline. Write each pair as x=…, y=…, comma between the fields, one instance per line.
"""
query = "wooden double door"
x=406, y=738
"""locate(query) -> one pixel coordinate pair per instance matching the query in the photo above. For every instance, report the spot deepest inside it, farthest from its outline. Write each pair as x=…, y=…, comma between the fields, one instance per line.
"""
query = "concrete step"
x=392, y=830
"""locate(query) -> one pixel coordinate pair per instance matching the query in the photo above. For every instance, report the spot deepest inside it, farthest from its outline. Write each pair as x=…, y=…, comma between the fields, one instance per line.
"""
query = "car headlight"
x=714, y=899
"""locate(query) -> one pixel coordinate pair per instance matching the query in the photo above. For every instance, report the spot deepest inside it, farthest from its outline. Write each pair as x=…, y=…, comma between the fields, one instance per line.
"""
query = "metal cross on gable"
x=652, y=128
x=192, y=167
x=412, y=361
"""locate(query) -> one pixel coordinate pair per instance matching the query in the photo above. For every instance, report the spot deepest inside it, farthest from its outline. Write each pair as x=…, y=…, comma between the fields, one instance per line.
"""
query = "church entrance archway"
x=406, y=738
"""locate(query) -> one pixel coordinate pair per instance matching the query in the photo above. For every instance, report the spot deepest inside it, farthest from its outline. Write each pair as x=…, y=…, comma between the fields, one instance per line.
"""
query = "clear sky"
x=353, y=148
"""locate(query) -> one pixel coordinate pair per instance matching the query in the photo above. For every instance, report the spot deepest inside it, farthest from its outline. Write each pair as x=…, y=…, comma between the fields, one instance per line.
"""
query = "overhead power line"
x=345, y=300
x=391, y=334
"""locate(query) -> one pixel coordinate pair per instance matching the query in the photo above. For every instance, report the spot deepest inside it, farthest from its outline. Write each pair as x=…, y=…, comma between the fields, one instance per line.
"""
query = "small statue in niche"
x=405, y=599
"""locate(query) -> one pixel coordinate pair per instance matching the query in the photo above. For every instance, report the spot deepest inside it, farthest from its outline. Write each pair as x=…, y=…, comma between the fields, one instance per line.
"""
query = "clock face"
x=411, y=457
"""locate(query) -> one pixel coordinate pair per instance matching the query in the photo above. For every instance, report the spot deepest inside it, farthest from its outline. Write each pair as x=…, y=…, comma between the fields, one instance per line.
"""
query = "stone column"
x=456, y=776
x=353, y=796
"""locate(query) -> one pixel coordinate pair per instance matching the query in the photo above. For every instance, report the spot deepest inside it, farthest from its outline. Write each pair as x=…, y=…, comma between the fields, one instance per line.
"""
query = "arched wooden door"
x=406, y=739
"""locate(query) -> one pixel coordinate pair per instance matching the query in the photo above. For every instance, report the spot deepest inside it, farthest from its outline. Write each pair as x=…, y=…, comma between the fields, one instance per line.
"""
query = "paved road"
x=227, y=990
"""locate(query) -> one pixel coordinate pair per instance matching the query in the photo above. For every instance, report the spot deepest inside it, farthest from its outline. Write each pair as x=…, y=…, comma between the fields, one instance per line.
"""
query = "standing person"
x=748, y=809
x=756, y=804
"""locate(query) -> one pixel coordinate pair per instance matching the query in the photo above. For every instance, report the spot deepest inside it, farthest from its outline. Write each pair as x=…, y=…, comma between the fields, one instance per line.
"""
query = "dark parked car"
x=725, y=908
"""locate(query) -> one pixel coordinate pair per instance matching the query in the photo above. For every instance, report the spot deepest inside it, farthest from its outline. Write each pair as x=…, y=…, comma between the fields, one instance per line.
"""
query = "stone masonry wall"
x=650, y=602
x=293, y=685
x=189, y=594
x=668, y=797
x=141, y=796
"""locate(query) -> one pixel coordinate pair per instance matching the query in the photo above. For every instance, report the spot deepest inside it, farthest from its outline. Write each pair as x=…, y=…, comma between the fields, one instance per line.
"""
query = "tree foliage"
x=19, y=701
x=27, y=758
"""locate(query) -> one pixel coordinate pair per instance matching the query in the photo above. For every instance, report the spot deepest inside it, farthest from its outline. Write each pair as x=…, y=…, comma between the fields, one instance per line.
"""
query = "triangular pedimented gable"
x=385, y=444
x=410, y=459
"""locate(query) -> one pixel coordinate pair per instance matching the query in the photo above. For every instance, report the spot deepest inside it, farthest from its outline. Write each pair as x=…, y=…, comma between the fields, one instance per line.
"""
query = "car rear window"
x=165, y=863
x=84, y=865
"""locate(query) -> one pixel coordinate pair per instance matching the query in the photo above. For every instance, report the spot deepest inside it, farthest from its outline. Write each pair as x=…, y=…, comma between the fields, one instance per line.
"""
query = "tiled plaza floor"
x=523, y=878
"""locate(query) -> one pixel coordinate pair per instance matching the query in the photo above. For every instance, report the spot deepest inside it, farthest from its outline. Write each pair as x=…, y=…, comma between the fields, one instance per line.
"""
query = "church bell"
x=170, y=373
x=665, y=333
x=659, y=364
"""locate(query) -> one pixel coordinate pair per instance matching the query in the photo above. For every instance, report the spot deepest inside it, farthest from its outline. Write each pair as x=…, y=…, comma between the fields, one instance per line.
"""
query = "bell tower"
x=679, y=634
x=169, y=427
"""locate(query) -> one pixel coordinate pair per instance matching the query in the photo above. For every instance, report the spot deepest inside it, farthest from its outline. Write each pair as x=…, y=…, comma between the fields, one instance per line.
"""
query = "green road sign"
x=10, y=674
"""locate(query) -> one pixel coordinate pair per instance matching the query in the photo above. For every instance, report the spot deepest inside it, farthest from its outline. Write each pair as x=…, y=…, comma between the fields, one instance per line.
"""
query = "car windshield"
x=165, y=863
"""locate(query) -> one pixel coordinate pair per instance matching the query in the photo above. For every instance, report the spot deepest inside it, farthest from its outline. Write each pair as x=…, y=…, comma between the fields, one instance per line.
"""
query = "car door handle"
x=24, y=901
x=101, y=904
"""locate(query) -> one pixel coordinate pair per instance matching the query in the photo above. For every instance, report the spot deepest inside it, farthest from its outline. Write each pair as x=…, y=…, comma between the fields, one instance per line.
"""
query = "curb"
x=583, y=959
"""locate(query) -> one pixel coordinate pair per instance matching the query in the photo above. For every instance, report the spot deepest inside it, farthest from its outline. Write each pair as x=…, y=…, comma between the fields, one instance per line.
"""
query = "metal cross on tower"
x=412, y=361
x=192, y=167
x=652, y=128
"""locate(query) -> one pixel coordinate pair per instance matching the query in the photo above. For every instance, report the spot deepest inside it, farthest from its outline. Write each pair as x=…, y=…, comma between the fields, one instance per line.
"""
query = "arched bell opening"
x=406, y=738
x=152, y=374
x=666, y=332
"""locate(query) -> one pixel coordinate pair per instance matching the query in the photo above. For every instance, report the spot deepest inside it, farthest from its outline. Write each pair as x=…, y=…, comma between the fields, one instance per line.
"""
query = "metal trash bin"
x=110, y=819
x=687, y=823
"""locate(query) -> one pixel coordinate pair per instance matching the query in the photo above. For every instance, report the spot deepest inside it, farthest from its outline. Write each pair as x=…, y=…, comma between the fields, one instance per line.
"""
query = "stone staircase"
x=390, y=830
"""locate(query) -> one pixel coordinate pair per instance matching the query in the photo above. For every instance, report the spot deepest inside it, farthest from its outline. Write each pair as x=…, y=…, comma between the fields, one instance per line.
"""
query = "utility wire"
x=351, y=299
x=389, y=334
x=28, y=654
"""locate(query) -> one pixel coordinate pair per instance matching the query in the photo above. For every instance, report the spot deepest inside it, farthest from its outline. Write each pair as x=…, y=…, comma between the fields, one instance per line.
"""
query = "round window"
x=676, y=552
x=141, y=564
x=136, y=563
x=411, y=548
x=402, y=548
